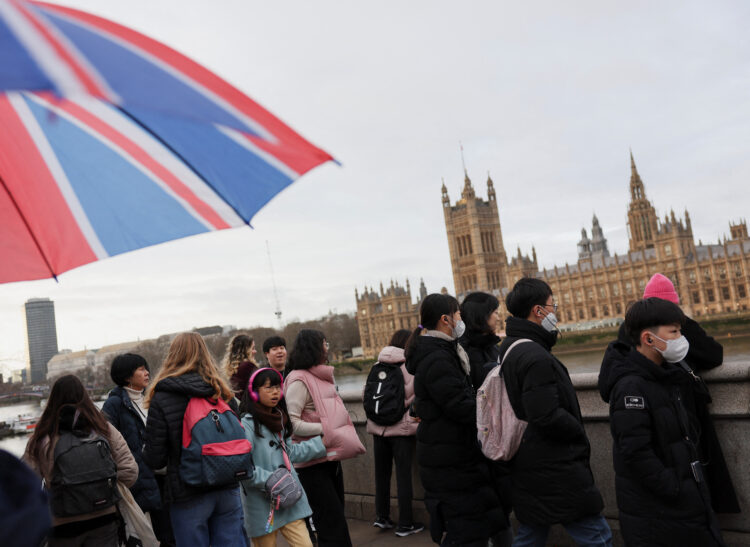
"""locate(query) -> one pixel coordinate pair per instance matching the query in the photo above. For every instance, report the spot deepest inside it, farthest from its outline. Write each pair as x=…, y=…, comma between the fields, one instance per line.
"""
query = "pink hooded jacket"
x=339, y=436
x=406, y=426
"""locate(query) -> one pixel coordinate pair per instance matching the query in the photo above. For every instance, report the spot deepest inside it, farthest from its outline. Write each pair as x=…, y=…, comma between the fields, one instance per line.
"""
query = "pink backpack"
x=499, y=430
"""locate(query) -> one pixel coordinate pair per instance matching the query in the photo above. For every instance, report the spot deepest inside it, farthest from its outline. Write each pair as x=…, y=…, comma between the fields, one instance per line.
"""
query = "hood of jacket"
x=479, y=339
x=423, y=347
x=391, y=355
x=622, y=360
x=322, y=372
x=515, y=327
x=190, y=384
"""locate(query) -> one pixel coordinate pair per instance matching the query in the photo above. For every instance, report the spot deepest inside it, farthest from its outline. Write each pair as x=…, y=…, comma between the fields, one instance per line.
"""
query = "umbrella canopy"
x=111, y=141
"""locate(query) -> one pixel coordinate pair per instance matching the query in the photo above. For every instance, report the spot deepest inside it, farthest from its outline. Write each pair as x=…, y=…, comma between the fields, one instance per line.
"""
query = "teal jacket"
x=267, y=457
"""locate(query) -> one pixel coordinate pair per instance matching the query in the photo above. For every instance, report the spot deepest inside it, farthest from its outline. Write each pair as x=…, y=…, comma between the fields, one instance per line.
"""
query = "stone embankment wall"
x=730, y=389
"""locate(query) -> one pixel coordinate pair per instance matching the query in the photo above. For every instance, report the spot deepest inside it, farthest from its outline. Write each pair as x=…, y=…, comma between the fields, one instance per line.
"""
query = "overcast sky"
x=546, y=96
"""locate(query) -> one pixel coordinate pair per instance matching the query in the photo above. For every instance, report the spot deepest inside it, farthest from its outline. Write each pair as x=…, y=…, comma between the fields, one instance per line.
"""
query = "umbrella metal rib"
x=31, y=232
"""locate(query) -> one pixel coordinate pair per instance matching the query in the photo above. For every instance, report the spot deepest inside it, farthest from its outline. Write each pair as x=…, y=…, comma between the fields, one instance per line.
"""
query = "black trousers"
x=160, y=520
x=387, y=450
x=324, y=487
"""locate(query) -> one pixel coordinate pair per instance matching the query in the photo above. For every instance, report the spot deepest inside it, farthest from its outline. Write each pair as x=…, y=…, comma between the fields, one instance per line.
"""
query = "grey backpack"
x=84, y=475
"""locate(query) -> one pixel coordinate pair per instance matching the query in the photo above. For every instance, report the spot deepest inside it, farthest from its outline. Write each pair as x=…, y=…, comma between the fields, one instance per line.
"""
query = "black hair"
x=399, y=338
x=649, y=314
x=124, y=365
x=434, y=306
x=527, y=293
x=248, y=405
x=67, y=398
x=272, y=342
x=308, y=350
x=476, y=310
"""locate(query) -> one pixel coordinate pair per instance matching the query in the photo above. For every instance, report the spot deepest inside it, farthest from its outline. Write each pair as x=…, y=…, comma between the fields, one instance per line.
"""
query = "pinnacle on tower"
x=444, y=191
x=490, y=188
x=637, y=191
x=468, y=192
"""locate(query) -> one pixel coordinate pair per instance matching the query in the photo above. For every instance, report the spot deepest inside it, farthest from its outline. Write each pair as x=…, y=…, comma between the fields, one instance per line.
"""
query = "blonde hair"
x=188, y=353
x=239, y=349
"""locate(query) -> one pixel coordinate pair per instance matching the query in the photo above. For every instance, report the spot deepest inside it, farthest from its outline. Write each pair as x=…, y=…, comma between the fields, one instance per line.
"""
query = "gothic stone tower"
x=475, y=240
x=642, y=222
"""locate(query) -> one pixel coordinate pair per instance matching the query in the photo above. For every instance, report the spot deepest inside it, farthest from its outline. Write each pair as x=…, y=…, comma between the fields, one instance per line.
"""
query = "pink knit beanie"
x=659, y=286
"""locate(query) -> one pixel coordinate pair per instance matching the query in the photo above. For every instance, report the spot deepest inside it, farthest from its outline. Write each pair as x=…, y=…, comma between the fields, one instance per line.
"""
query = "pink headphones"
x=253, y=394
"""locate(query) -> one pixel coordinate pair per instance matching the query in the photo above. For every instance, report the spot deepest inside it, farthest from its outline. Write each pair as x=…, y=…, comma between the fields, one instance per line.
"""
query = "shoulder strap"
x=287, y=463
x=513, y=345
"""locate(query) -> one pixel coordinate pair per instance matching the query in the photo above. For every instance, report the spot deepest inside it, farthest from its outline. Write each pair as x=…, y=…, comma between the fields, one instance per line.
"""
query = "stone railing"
x=730, y=389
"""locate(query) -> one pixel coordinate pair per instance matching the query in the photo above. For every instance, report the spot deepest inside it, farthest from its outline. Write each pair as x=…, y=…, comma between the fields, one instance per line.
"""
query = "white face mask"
x=458, y=329
x=550, y=322
x=676, y=349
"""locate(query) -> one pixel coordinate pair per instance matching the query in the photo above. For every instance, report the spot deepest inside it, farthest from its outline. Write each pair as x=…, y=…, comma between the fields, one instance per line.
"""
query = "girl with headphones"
x=270, y=505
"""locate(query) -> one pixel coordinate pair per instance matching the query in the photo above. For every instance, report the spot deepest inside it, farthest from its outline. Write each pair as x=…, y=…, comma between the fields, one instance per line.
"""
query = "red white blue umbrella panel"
x=111, y=141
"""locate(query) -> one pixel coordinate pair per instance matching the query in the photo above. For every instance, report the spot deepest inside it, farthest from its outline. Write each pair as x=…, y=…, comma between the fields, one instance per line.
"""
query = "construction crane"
x=277, y=313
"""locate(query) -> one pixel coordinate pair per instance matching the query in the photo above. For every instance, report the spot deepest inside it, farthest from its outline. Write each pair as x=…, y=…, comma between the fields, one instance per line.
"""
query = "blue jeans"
x=586, y=532
x=213, y=518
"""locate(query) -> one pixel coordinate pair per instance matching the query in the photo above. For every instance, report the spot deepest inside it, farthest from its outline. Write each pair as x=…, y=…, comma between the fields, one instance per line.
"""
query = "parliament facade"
x=711, y=279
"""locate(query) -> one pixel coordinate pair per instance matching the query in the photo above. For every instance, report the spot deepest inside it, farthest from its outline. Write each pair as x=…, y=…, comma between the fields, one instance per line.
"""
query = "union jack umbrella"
x=111, y=141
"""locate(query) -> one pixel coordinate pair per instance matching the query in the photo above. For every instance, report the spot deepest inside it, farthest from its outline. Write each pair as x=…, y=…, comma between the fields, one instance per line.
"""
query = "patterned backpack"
x=499, y=430
x=215, y=450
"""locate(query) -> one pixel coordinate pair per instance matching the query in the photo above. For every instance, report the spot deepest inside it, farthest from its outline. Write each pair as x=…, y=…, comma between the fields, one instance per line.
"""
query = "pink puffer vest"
x=407, y=426
x=339, y=436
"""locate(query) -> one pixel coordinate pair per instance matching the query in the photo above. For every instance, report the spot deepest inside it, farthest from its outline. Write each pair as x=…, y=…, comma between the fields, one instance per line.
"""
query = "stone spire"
x=468, y=191
x=490, y=188
x=584, y=245
x=637, y=191
x=446, y=199
x=598, y=241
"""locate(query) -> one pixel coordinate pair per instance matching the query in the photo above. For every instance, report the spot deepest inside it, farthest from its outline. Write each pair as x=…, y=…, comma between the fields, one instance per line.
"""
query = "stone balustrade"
x=730, y=389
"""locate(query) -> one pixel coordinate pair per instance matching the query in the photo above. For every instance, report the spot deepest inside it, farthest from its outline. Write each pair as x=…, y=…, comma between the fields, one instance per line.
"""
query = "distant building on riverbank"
x=71, y=362
x=41, y=336
x=710, y=279
x=380, y=314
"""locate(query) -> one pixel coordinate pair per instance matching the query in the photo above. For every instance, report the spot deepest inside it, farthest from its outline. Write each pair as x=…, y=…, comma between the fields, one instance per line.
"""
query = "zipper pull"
x=217, y=423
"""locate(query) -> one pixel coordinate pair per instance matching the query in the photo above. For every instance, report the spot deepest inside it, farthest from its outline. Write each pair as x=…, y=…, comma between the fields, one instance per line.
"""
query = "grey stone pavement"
x=363, y=533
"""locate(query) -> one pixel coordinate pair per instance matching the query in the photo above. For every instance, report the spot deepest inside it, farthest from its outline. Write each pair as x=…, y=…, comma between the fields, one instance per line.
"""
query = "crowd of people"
x=105, y=471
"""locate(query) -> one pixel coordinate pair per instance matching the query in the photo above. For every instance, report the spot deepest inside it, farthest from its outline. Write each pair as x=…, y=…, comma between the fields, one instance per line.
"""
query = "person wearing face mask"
x=459, y=495
x=704, y=353
x=551, y=477
x=661, y=489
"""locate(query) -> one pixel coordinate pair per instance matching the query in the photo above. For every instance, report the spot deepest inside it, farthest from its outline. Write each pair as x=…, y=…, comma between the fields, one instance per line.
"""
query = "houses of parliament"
x=711, y=279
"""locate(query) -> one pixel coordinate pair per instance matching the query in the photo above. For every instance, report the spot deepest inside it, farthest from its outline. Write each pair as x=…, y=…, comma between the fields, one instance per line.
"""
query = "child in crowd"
x=267, y=426
x=661, y=491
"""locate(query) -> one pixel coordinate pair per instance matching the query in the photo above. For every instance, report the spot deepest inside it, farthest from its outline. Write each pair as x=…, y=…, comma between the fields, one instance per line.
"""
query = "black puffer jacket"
x=164, y=431
x=458, y=492
x=552, y=479
x=483, y=350
x=654, y=444
x=119, y=410
x=705, y=353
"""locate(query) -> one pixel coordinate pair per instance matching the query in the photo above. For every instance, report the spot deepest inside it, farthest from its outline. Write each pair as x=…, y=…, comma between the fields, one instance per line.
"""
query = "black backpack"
x=84, y=475
x=384, y=398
